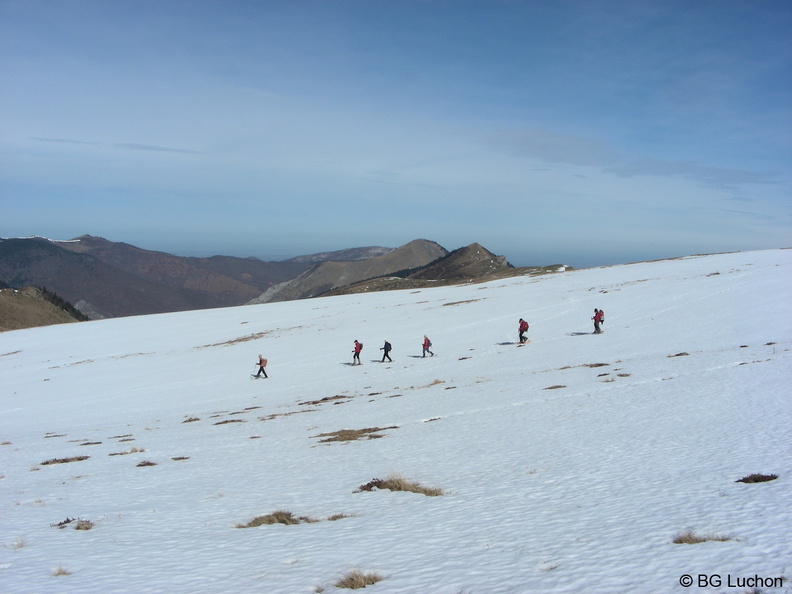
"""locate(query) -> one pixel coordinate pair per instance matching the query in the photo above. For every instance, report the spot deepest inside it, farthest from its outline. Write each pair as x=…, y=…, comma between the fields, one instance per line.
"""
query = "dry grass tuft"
x=179, y=458
x=191, y=420
x=238, y=340
x=132, y=450
x=288, y=414
x=690, y=537
x=757, y=478
x=396, y=482
x=230, y=421
x=84, y=525
x=61, y=570
x=277, y=517
x=63, y=523
x=146, y=463
x=460, y=302
x=357, y=579
x=325, y=399
x=64, y=460
x=353, y=434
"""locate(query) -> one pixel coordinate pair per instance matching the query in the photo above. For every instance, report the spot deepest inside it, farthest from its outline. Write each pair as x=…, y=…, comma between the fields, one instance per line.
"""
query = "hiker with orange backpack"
x=262, y=363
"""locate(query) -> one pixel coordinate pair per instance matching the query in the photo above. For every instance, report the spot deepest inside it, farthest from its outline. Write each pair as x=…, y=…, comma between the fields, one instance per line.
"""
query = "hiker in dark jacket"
x=385, y=352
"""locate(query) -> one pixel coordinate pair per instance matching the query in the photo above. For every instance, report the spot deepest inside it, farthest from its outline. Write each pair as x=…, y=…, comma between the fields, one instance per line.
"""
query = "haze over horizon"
x=567, y=132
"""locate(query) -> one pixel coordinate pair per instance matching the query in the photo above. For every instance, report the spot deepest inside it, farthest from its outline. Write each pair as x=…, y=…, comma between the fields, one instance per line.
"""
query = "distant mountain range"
x=110, y=279
x=330, y=275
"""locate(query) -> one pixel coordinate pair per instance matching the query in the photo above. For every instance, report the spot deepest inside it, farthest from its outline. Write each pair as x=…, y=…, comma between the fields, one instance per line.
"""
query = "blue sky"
x=585, y=132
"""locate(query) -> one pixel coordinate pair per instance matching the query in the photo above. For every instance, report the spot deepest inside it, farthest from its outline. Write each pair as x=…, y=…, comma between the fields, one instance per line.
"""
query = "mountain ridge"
x=327, y=276
x=105, y=279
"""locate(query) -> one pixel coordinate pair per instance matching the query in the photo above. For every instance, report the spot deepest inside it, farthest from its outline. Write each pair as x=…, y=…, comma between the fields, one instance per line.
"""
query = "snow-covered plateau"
x=570, y=464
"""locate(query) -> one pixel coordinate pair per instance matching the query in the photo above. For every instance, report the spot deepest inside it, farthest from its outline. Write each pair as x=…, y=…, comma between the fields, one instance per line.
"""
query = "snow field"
x=568, y=464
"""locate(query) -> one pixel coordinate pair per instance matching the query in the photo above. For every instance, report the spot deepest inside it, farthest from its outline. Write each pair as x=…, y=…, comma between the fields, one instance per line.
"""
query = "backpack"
x=428, y=343
x=602, y=317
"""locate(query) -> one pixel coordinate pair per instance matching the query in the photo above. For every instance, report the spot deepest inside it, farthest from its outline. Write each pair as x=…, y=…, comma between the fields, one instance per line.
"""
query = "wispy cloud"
x=126, y=146
x=132, y=146
x=65, y=141
x=551, y=147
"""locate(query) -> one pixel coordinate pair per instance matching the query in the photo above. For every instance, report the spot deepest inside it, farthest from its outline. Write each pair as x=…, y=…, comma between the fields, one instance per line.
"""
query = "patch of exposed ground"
x=286, y=518
x=287, y=414
x=353, y=434
x=461, y=302
x=336, y=398
x=396, y=482
x=64, y=460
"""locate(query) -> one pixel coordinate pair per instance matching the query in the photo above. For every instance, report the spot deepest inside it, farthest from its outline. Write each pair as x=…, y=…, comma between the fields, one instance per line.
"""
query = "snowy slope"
x=567, y=465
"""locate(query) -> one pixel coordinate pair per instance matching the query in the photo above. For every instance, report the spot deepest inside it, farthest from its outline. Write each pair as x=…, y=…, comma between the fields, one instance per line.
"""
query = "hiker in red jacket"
x=523, y=328
x=426, y=344
x=356, y=351
x=598, y=315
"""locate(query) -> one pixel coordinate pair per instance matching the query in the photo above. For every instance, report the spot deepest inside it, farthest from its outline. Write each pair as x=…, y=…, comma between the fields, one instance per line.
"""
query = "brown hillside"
x=326, y=276
x=394, y=283
x=27, y=308
x=221, y=280
x=84, y=280
x=473, y=261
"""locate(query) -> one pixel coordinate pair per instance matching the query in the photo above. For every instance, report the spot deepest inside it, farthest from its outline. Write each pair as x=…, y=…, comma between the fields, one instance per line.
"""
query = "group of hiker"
x=522, y=328
x=599, y=319
x=386, y=349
